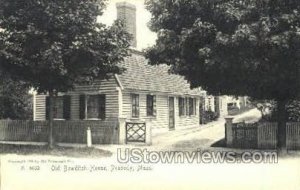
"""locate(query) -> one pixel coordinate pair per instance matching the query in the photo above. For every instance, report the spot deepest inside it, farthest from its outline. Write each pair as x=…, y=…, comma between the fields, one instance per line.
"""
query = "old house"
x=142, y=93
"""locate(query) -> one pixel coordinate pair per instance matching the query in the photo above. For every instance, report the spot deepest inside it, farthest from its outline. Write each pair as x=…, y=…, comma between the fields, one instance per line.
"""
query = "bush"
x=292, y=115
x=208, y=116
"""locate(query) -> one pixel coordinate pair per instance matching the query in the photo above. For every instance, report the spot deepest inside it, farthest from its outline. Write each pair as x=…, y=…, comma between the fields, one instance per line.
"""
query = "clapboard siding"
x=161, y=121
x=107, y=87
x=186, y=121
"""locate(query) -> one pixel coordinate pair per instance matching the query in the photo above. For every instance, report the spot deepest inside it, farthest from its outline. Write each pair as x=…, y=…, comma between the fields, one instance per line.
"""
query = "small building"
x=142, y=93
x=237, y=102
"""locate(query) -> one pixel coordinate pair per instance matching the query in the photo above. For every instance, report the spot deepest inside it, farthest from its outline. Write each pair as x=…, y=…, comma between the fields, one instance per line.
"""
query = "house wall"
x=243, y=101
x=186, y=121
x=234, y=100
x=107, y=87
x=209, y=103
x=222, y=106
x=159, y=123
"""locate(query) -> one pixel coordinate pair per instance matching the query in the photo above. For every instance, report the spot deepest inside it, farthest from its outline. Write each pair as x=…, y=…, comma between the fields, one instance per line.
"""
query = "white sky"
x=145, y=37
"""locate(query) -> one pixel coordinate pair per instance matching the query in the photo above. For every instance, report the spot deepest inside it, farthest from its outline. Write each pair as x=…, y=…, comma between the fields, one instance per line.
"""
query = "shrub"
x=292, y=115
x=208, y=116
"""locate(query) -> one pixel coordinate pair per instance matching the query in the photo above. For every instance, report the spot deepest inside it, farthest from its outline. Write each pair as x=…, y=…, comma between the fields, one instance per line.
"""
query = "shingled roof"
x=139, y=75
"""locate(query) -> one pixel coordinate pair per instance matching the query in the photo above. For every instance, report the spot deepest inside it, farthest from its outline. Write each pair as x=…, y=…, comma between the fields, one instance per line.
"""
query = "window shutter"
x=135, y=105
x=138, y=105
x=191, y=106
x=184, y=106
x=47, y=107
x=67, y=107
x=195, y=106
x=102, y=107
x=132, y=105
x=82, y=105
x=154, y=106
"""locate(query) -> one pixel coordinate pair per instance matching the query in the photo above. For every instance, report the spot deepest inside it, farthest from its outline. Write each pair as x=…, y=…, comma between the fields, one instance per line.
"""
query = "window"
x=135, y=105
x=61, y=107
x=92, y=106
x=192, y=106
x=151, y=105
x=181, y=104
x=58, y=108
x=209, y=104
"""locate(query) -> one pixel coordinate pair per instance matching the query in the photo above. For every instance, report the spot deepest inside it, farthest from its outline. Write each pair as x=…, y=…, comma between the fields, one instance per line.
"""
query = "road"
x=199, y=137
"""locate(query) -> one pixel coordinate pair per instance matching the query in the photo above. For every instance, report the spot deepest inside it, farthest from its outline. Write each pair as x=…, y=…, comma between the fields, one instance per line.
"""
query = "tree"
x=54, y=44
x=15, y=102
x=232, y=47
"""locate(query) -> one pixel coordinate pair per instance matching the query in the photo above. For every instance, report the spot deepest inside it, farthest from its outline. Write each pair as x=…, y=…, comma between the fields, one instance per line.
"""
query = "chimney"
x=127, y=13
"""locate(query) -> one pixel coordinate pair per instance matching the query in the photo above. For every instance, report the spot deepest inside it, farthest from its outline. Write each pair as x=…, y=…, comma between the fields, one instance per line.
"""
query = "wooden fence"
x=103, y=132
x=267, y=135
x=244, y=135
x=263, y=135
x=293, y=134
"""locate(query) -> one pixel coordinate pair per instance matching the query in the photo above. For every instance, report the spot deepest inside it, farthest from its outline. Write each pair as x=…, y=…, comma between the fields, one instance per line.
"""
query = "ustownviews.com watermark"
x=138, y=155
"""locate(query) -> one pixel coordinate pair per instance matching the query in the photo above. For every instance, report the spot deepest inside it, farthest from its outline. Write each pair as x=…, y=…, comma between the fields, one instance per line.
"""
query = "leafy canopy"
x=231, y=47
x=54, y=44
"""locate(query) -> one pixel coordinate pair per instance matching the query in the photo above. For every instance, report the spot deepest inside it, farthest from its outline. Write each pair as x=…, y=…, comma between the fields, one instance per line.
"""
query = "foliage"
x=54, y=44
x=292, y=109
x=230, y=47
x=15, y=102
x=208, y=116
x=264, y=106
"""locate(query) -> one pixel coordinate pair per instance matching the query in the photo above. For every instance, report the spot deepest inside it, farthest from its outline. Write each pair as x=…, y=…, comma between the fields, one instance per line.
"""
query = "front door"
x=171, y=114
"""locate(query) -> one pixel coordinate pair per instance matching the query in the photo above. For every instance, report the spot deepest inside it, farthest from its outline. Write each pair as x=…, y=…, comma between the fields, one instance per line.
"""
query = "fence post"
x=122, y=131
x=228, y=131
x=89, y=137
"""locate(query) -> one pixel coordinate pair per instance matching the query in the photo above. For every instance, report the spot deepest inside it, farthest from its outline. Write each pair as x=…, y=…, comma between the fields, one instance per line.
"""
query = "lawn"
x=57, y=151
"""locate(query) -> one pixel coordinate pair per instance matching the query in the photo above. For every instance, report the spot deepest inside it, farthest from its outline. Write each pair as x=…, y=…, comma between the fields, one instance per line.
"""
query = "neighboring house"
x=237, y=102
x=216, y=104
x=221, y=105
x=142, y=93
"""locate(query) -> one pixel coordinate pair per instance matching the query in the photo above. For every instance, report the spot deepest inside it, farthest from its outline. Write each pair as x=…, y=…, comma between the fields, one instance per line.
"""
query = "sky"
x=145, y=37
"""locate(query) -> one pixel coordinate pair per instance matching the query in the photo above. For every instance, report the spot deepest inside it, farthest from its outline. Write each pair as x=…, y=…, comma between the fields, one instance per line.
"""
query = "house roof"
x=140, y=75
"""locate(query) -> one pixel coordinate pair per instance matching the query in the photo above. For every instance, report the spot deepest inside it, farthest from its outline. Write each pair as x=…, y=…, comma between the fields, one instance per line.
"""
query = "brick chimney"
x=127, y=13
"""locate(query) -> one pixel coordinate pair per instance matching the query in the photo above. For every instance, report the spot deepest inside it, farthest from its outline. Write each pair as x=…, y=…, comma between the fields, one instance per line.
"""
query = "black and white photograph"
x=149, y=94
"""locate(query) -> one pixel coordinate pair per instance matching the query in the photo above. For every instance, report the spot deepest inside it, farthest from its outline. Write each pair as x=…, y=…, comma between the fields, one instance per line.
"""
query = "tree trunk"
x=281, y=132
x=50, y=133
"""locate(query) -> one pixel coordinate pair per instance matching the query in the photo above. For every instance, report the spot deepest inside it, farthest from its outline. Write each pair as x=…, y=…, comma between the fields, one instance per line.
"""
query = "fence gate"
x=135, y=132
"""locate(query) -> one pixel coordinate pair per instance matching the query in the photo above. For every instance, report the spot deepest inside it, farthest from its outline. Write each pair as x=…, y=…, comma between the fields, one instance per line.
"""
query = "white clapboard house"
x=142, y=93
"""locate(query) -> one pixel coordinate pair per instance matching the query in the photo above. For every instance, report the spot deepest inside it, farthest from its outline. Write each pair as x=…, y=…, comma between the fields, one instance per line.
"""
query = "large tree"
x=55, y=44
x=232, y=47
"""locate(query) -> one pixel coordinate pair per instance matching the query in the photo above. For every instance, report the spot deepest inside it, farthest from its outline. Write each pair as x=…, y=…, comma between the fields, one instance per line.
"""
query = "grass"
x=57, y=151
